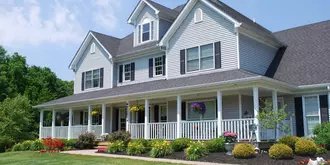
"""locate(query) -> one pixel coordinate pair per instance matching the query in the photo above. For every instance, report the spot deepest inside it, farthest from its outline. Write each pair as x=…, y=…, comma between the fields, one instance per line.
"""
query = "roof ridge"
x=302, y=26
x=160, y=5
x=105, y=35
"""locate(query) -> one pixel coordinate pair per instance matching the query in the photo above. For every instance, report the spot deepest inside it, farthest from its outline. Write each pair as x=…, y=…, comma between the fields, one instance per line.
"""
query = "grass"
x=35, y=158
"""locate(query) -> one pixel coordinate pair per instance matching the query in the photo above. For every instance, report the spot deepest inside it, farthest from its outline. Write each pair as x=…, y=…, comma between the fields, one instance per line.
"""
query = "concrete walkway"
x=93, y=153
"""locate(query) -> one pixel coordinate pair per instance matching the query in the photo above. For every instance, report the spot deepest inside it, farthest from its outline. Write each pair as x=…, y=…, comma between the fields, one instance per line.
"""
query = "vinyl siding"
x=247, y=106
x=172, y=111
x=141, y=70
x=163, y=27
x=254, y=55
x=213, y=28
x=147, y=12
x=90, y=62
x=230, y=107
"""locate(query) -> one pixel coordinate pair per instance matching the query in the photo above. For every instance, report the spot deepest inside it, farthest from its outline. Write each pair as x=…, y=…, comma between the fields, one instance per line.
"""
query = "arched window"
x=198, y=15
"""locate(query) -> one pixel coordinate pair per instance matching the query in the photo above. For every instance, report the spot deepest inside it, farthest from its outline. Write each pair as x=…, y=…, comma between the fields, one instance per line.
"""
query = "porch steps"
x=102, y=144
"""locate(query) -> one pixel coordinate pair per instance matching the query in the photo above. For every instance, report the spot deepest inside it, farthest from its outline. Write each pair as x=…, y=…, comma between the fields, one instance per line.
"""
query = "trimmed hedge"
x=280, y=151
x=244, y=151
x=305, y=148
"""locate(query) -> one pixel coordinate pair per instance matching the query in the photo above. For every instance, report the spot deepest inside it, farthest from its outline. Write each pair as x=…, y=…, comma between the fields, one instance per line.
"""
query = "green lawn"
x=35, y=158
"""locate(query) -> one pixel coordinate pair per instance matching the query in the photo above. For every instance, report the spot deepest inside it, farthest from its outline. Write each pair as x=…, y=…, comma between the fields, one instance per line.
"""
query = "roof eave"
x=138, y=9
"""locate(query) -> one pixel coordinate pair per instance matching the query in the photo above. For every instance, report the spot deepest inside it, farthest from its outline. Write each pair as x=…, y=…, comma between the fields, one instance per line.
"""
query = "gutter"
x=325, y=85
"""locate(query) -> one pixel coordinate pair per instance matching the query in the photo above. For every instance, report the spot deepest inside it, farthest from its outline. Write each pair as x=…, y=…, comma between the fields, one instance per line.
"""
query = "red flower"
x=53, y=144
x=307, y=160
x=301, y=162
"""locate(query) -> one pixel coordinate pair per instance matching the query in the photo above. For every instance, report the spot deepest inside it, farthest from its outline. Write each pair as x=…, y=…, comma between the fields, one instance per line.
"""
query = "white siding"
x=93, y=61
x=230, y=107
x=172, y=111
x=213, y=28
x=147, y=12
x=141, y=70
x=254, y=55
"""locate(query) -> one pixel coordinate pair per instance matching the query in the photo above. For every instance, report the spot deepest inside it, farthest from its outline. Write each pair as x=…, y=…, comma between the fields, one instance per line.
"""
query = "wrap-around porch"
x=170, y=117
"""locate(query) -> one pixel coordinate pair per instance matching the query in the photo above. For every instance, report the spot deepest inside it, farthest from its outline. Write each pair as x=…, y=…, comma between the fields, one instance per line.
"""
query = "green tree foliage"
x=21, y=87
x=270, y=119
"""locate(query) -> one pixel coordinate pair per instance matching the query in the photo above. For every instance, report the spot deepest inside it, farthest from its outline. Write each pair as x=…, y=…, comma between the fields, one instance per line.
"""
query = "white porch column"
x=219, y=111
x=256, y=110
x=89, y=126
x=275, y=107
x=41, y=123
x=240, y=106
x=53, y=123
x=70, y=124
x=128, y=116
x=178, y=116
x=146, y=119
x=103, y=117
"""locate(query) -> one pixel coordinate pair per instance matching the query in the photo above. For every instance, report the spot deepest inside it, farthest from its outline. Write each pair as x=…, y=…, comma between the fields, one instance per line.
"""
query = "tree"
x=270, y=119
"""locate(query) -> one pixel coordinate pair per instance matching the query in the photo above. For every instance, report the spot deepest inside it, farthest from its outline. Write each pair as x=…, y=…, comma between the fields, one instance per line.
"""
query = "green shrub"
x=69, y=143
x=5, y=143
x=322, y=134
x=289, y=140
x=195, y=151
x=215, y=145
x=305, y=148
x=119, y=136
x=161, y=149
x=181, y=144
x=26, y=145
x=17, y=147
x=155, y=141
x=280, y=151
x=37, y=145
x=144, y=142
x=244, y=151
x=114, y=147
x=321, y=150
x=135, y=148
x=85, y=141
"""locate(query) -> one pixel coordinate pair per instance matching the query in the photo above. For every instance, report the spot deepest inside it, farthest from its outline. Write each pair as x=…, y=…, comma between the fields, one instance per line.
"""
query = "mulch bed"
x=260, y=159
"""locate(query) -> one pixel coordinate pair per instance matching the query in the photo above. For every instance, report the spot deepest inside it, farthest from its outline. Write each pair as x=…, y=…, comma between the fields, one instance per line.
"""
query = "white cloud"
x=34, y=23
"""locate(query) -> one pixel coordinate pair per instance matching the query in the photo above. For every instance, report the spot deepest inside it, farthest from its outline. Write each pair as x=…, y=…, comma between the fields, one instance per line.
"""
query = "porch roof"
x=153, y=86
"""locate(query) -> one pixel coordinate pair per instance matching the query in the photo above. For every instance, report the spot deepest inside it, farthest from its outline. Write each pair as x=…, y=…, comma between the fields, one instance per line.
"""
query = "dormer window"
x=146, y=30
x=198, y=15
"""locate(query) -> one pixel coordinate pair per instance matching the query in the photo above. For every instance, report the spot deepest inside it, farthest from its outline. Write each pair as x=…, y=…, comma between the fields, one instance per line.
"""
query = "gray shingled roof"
x=307, y=58
x=154, y=86
x=164, y=11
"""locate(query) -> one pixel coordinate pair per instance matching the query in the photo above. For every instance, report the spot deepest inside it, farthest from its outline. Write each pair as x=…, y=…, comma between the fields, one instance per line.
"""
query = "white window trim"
x=92, y=49
x=150, y=30
x=129, y=72
x=205, y=100
x=201, y=11
x=85, y=79
x=159, y=114
x=119, y=114
x=154, y=68
x=199, y=56
x=304, y=111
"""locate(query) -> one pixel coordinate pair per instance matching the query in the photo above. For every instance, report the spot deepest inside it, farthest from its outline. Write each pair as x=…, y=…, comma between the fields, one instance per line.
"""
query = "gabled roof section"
x=139, y=8
x=164, y=11
x=307, y=57
x=109, y=45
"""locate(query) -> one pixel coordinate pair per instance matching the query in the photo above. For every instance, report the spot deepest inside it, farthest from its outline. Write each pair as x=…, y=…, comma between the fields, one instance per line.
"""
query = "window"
x=146, y=32
x=198, y=15
x=163, y=113
x=92, y=79
x=158, y=66
x=127, y=72
x=92, y=50
x=200, y=58
x=311, y=110
x=210, y=113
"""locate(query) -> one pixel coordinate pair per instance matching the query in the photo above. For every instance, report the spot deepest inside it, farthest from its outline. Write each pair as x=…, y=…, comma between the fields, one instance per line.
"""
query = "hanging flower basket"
x=198, y=107
x=96, y=111
x=62, y=117
x=136, y=108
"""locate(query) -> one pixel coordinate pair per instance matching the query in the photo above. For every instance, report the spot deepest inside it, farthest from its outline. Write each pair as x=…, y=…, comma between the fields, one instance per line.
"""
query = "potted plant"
x=136, y=108
x=198, y=107
x=230, y=141
x=96, y=111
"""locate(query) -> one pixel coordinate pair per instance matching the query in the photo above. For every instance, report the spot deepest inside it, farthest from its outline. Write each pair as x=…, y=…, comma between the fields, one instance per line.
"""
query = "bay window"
x=200, y=58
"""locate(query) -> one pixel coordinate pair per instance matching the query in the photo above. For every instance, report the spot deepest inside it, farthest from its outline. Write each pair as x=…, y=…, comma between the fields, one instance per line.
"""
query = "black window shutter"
x=183, y=111
x=101, y=77
x=182, y=61
x=151, y=68
x=299, y=116
x=132, y=71
x=164, y=65
x=217, y=47
x=324, y=108
x=156, y=113
x=82, y=81
x=81, y=118
x=121, y=73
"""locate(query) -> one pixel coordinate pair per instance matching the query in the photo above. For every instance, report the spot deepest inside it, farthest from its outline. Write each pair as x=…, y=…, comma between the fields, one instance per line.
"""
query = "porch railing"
x=199, y=130
x=77, y=130
x=240, y=126
x=46, y=132
x=61, y=132
x=136, y=130
x=163, y=130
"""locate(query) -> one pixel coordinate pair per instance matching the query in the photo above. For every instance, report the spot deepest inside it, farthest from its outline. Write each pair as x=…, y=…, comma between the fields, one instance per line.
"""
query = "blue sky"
x=49, y=32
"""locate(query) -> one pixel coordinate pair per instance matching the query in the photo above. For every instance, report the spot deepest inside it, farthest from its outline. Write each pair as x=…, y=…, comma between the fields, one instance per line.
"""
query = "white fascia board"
x=138, y=9
x=186, y=10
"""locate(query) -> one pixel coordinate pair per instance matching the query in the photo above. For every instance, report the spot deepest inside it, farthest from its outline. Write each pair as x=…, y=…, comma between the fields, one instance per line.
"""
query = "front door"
x=122, y=119
x=311, y=112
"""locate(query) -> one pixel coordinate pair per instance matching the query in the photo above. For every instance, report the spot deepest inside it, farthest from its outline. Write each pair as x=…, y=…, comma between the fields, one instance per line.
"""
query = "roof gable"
x=140, y=6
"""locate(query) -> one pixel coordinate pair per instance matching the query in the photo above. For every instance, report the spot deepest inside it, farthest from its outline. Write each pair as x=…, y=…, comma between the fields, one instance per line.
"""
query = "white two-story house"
x=202, y=51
